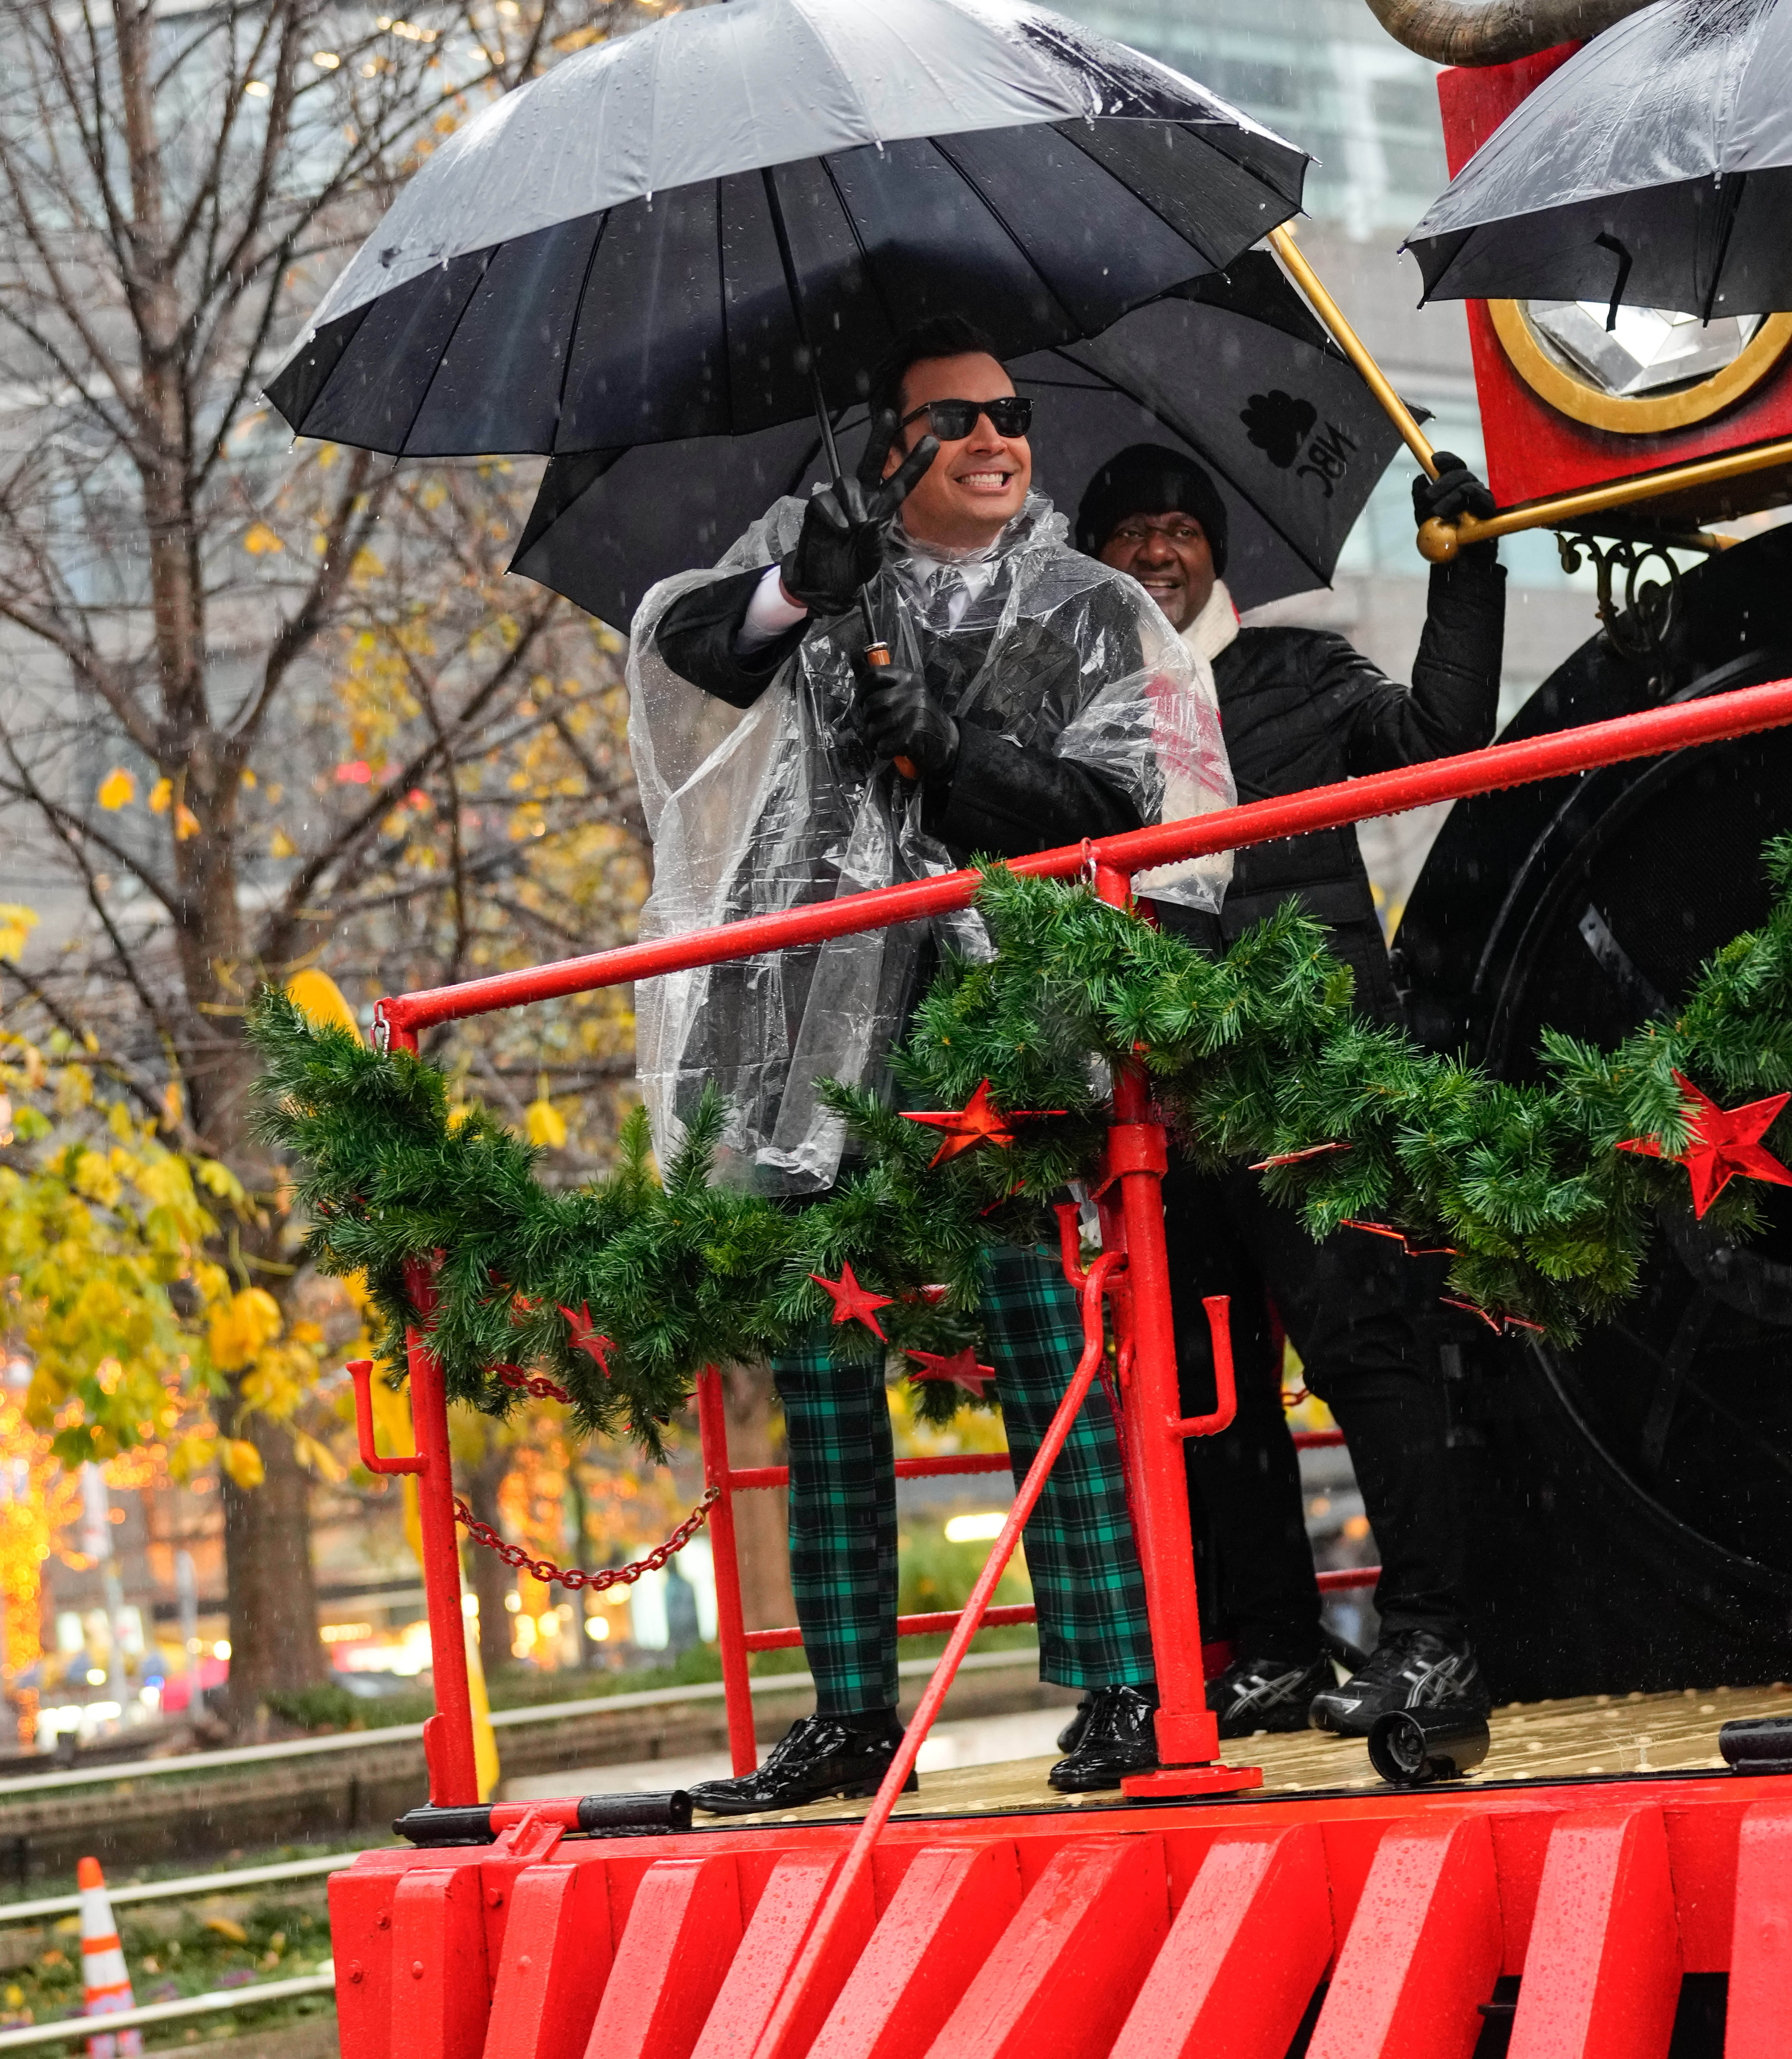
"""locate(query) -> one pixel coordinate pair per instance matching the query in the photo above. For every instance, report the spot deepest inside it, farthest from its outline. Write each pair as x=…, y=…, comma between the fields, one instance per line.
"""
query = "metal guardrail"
x=547, y=1712
x=179, y=1890
x=217, y=2003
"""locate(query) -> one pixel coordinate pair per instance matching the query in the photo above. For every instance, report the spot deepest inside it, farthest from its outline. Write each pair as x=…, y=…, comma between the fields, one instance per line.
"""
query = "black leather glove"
x=898, y=717
x=841, y=545
x=1455, y=490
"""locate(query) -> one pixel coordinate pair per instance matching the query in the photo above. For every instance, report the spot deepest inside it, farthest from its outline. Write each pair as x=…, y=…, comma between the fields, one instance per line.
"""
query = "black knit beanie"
x=1147, y=478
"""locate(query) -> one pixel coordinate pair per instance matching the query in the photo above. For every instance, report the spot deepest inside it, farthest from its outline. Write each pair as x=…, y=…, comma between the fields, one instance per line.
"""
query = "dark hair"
x=1150, y=479
x=940, y=336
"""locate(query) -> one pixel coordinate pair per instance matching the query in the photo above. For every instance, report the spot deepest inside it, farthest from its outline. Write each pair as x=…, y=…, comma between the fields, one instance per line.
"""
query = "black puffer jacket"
x=1302, y=707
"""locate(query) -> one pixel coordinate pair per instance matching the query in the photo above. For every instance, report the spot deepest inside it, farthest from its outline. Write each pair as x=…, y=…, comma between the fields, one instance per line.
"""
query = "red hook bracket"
x=360, y=1372
x=1219, y=1325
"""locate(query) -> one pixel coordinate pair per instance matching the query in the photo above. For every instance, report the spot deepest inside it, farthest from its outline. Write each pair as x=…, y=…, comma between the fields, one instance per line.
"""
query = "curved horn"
x=1493, y=32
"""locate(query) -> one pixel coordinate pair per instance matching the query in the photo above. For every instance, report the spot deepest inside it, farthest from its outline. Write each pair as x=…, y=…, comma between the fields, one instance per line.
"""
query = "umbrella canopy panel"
x=1233, y=372
x=1653, y=168
x=595, y=262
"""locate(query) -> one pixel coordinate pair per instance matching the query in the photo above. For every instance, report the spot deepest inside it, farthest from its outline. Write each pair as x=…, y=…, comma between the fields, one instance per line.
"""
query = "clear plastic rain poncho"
x=783, y=804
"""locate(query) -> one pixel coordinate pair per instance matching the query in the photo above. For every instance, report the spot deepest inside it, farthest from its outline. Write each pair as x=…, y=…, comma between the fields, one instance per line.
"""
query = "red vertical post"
x=731, y=1622
x=1188, y=1735
x=447, y=1736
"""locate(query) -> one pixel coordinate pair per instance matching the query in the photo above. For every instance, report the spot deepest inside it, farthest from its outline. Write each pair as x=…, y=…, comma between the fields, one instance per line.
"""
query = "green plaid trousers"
x=1093, y=1630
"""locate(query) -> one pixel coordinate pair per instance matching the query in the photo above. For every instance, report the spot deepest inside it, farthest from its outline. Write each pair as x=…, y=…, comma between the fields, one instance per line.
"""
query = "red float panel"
x=555, y=1960
x=1602, y=1977
x=1759, y=2026
x=954, y=1903
x=1059, y=1983
x=1247, y=1948
x=768, y=1950
x=682, y=1929
x=1423, y=1951
x=361, y=1900
x=440, y=1990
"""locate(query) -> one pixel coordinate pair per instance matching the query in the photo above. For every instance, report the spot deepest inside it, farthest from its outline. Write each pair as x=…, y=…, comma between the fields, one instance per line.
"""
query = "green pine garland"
x=1252, y=1056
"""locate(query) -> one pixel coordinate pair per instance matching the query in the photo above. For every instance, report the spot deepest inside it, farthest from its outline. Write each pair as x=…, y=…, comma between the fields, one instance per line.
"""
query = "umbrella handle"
x=879, y=654
x=1355, y=349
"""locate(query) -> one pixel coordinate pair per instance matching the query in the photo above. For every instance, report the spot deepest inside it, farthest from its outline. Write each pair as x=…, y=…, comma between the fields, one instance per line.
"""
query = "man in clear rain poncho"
x=1034, y=697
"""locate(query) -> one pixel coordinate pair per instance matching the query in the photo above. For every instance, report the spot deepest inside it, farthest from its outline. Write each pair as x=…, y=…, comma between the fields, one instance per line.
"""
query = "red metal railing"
x=1130, y=1206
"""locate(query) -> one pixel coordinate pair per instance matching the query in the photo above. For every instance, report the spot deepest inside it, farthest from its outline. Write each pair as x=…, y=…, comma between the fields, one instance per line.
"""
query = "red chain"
x=571, y=1578
x=542, y=1388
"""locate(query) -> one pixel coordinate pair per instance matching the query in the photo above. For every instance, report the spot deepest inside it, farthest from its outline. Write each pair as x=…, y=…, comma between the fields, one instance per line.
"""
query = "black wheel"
x=1631, y=1497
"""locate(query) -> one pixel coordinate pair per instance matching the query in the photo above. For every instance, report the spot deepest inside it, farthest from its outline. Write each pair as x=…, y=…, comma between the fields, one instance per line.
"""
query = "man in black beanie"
x=1299, y=708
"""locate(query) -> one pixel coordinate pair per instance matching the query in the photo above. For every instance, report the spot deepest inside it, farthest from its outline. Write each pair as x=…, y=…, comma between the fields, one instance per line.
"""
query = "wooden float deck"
x=1595, y=1736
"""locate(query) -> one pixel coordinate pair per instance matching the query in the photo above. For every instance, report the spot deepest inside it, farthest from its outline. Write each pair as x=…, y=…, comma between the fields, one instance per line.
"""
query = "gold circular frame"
x=1642, y=416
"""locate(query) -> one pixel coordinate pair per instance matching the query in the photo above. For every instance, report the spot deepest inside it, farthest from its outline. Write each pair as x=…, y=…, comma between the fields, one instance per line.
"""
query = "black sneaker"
x=818, y=1755
x=1255, y=1694
x=1067, y=1738
x=1412, y=1669
x=1119, y=1736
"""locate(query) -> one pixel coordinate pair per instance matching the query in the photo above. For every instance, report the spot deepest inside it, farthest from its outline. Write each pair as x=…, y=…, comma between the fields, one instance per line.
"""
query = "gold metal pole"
x=1439, y=542
x=1355, y=349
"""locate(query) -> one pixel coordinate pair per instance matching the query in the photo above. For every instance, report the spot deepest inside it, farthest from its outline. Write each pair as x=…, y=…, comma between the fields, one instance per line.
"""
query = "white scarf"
x=1184, y=794
x=1212, y=631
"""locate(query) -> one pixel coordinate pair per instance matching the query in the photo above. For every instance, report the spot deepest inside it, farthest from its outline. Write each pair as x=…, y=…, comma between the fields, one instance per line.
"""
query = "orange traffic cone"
x=104, y=1974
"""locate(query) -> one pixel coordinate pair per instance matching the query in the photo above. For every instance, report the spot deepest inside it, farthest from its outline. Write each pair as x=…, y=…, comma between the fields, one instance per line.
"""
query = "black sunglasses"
x=953, y=420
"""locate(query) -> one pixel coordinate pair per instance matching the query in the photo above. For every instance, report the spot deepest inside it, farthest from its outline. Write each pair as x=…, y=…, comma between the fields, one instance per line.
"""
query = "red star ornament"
x=585, y=1336
x=852, y=1303
x=961, y=1367
x=1721, y=1142
x=977, y=1122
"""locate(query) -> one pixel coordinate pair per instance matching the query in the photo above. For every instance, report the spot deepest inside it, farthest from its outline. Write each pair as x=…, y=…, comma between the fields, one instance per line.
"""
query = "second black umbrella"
x=1232, y=370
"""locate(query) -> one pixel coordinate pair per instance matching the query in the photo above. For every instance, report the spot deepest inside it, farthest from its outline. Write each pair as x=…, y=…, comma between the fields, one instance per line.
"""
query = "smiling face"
x=977, y=486
x=1169, y=557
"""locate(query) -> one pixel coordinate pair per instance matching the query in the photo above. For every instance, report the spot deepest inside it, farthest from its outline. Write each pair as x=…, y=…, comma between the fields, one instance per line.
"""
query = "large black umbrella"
x=677, y=233
x=1654, y=169
x=1231, y=369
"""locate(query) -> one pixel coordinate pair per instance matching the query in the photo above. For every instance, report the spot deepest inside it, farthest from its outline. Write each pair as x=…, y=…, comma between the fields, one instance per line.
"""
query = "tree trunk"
x=761, y=1520
x=491, y=1577
x=273, y=1593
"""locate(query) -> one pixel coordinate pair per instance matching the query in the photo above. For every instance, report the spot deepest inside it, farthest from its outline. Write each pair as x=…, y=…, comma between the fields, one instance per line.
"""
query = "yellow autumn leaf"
x=280, y=845
x=160, y=796
x=317, y=1457
x=367, y=565
x=117, y=789
x=192, y=1454
x=241, y=1459
x=547, y=1125
x=186, y=823
x=247, y=1321
x=320, y=1000
x=261, y=541
x=16, y=925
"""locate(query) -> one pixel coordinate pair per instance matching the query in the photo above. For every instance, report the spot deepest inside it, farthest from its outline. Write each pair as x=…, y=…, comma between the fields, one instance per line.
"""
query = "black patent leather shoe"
x=817, y=1756
x=1119, y=1738
x=1072, y=1734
